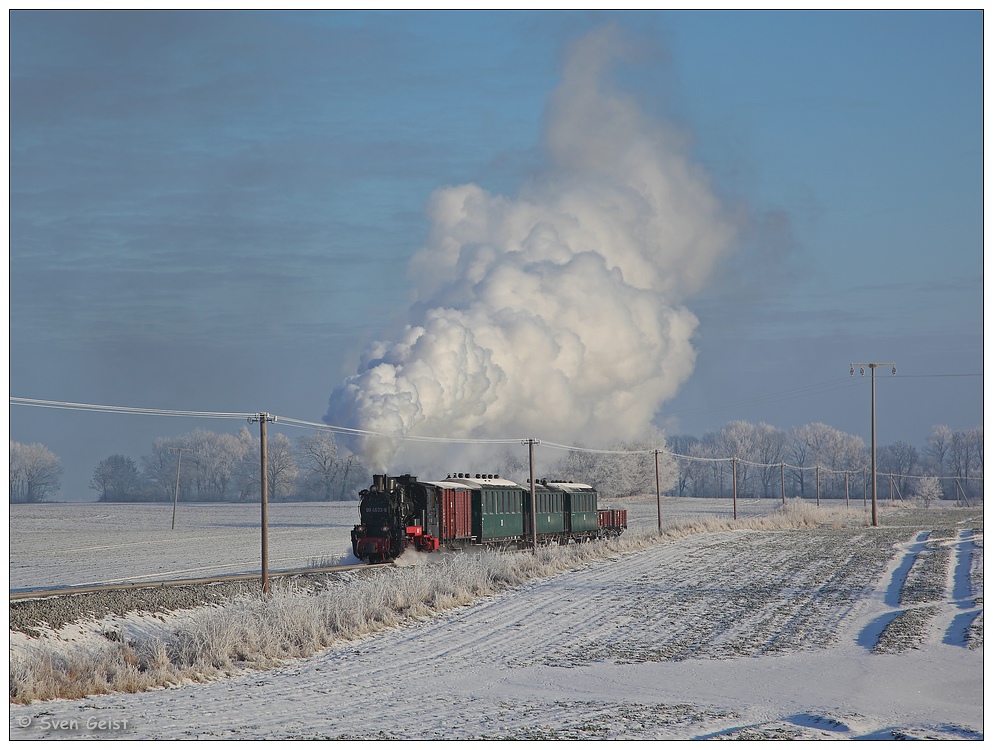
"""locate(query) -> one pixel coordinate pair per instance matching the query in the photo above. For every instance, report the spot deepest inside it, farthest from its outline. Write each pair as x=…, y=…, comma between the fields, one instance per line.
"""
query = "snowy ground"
x=67, y=544
x=820, y=634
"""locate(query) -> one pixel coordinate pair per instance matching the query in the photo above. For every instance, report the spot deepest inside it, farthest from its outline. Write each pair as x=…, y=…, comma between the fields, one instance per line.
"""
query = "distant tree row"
x=35, y=473
x=819, y=459
x=815, y=459
x=204, y=466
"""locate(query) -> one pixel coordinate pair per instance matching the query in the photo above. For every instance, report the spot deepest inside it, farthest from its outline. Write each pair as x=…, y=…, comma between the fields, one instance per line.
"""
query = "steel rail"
x=232, y=577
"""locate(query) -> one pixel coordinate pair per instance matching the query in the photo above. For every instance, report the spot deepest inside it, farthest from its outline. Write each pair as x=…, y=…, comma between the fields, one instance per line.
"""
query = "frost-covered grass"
x=294, y=621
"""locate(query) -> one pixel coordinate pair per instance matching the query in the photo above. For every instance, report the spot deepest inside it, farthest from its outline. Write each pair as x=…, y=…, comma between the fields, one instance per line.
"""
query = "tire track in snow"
x=929, y=589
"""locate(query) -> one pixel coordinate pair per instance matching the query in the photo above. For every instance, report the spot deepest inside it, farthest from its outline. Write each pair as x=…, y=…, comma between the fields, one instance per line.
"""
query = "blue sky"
x=216, y=211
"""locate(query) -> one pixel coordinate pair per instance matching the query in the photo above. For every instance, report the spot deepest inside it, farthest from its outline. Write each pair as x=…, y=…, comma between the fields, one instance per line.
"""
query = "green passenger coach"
x=497, y=507
x=580, y=508
x=550, y=513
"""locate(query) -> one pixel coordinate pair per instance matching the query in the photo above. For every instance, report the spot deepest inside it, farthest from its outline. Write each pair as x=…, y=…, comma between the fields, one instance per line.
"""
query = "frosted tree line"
x=819, y=460
x=35, y=473
x=205, y=466
x=815, y=460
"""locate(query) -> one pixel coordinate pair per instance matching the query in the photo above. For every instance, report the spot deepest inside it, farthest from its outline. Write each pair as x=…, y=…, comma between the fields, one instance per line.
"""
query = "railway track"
x=45, y=593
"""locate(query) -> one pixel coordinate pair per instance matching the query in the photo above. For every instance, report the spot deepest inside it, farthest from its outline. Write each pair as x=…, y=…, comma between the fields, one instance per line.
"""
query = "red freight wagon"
x=456, y=513
x=613, y=520
x=449, y=510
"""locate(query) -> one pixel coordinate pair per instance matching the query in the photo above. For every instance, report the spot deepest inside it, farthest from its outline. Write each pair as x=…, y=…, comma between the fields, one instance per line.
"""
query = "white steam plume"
x=556, y=313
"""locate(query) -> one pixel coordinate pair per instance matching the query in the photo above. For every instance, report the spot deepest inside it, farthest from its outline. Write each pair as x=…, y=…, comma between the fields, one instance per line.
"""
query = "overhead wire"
x=372, y=433
x=134, y=410
x=338, y=429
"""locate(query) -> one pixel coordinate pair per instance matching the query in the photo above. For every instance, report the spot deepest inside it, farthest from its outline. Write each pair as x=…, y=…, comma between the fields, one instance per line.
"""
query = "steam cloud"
x=557, y=313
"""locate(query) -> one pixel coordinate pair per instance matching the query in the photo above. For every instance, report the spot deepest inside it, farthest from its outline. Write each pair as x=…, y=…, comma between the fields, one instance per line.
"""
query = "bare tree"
x=589, y=466
x=320, y=465
x=900, y=460
x=939, y=443
x=642, y=468
x=928, y=491
x=325, y=472
x=713, y=465
x=622, y=470
x=975, y=436
x=117, y=480
x=737, y=440
x=682, y=445
x=246, y=473
x=35, y=473
x=770, y=450
x=965, y=456
x=820, y=445
x=159, y=469
x=281, y=467
x=799, y=452
x=214, y=459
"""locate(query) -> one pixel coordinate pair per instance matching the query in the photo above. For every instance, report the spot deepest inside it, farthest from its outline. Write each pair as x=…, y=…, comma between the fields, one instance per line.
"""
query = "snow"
x=749, y=634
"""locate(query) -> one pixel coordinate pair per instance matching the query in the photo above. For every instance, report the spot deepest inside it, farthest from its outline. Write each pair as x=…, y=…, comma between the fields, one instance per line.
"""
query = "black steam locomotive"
x=465, y=510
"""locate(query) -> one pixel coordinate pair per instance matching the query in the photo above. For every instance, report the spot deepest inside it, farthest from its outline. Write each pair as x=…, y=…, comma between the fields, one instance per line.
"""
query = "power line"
x=338, y=429
x=134, y=410
x=288, y=421
x=372, y=433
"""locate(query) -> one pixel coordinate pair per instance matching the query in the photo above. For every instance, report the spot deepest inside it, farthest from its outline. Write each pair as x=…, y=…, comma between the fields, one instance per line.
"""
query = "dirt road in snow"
x=831, y=634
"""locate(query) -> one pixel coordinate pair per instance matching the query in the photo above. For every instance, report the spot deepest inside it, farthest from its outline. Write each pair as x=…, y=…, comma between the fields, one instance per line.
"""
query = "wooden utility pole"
x=531, y=442
x=782, y=481
x=872, y=367
x=734, y=485
x=658, y=487
x=175, y=500
x=262, y=418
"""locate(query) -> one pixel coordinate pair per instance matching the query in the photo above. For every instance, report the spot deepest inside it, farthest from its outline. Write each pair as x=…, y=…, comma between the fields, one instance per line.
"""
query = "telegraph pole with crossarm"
x=872, y=367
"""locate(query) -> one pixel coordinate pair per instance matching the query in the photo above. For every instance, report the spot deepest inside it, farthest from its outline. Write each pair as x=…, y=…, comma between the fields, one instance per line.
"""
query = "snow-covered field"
x=826, y=633
x=68, y=544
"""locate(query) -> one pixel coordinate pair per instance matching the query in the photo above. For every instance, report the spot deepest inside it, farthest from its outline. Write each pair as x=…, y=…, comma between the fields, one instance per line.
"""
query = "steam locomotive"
x=466, y=510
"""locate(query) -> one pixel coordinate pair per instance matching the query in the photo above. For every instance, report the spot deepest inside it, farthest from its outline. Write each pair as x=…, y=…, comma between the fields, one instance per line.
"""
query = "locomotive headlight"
x=385, y=527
